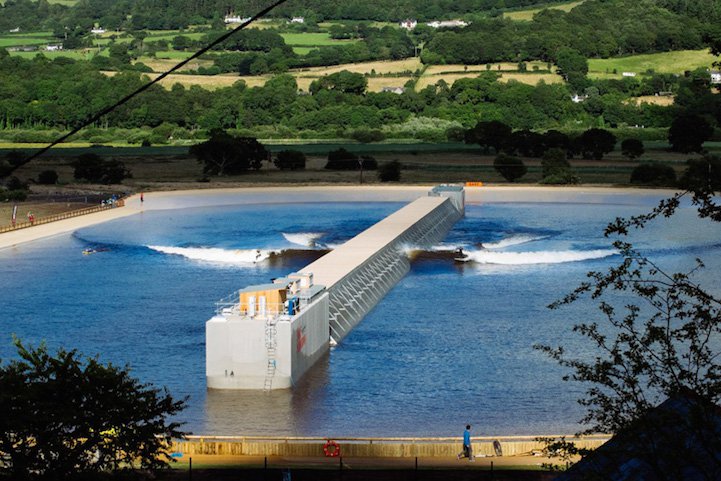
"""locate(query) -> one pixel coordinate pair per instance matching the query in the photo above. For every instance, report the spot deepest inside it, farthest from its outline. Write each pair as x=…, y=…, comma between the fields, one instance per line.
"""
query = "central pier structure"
x=267, y=336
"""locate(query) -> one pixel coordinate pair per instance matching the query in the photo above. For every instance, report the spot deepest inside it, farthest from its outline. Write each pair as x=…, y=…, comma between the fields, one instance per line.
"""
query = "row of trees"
x=593, y=28
x=149, y=14
x=41, y=93
x=226, y=154
x=687, y=133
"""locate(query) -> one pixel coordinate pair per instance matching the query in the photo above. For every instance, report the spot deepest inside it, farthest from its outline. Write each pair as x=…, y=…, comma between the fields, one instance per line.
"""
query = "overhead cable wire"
x=146, y=86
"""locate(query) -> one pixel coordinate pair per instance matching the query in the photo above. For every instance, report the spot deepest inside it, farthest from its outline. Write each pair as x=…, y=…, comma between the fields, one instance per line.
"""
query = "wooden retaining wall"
x=363, y=447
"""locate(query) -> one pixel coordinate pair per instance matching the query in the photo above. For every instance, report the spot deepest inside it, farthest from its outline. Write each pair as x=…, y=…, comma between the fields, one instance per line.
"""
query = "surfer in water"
x=460, y=256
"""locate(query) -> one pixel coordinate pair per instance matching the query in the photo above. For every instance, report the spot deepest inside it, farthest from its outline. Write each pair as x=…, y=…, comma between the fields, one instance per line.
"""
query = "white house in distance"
x=628, y=74
x=53, y=48
x=393, y=90
x=408, y=24
x=297, y=20
x=447, y=24
x=715, y=77
x=235, y=19
x=97, y=30
x=15, y=30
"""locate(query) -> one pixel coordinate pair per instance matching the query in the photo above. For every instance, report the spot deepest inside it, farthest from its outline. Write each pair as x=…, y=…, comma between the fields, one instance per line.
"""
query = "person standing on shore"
x=467, y=448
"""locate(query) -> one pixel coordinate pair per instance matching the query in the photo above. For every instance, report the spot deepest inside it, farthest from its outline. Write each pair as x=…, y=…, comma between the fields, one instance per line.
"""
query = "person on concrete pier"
x=467, y=448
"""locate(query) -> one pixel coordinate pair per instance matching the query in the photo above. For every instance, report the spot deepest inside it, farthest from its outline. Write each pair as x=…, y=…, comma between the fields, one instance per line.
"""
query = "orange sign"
x=474, y=184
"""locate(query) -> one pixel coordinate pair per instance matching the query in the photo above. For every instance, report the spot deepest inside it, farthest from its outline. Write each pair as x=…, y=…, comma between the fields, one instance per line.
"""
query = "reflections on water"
x=278, y=412
x=451, y=344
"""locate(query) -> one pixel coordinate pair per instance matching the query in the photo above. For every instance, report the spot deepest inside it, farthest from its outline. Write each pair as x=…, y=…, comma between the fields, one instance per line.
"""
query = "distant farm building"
x=715, y=77
x=53, y=48
x=297, y=20
x=97, y=30
x=447, y=24
x=408, y=24
x=235, y=19
x=15, y=30
x=577, y=99
x=628, y=74
x=393, y=90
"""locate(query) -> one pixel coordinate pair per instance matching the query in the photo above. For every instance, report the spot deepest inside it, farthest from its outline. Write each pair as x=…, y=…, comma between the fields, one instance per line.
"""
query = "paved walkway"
x=280, y=462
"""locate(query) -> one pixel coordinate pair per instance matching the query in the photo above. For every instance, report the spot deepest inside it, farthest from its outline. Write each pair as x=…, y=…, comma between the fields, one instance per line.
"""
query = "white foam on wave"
x=305, y=239
x=514, y=240
x=447, y=247
x=540, y=257
x=214, y=254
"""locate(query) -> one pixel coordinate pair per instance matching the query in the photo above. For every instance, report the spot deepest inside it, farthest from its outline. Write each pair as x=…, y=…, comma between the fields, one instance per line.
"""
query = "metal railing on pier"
x=231, y=306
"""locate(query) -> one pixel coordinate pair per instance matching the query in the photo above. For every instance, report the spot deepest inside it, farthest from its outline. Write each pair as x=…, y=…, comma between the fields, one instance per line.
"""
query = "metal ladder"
x=271, y=343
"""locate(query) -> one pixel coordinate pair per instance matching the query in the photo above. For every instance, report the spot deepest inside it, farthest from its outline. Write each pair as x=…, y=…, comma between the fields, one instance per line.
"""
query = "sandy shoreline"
x=312, y=194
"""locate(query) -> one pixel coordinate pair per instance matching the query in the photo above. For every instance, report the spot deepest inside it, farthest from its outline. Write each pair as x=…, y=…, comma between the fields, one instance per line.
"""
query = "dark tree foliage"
x=555, y=162
x=594, y=143
x=632, y=148
x=389, y=171
x=525, y=143
x=571, y=61
x=48, y=177
x=654, y=174
x=290, y=160
x=489, y=134
x=553, y=139
x=656, y=337
x=367, y=136
x=65, y=415
x=93, y=168
x=225, y=154
x=343, y=81
x=705, y=172
x=688, y=133
x=511, y=168
x=341, y=159
x=13, y=183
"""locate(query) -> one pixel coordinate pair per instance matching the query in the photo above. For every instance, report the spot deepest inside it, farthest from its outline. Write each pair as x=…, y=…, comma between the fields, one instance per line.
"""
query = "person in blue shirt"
x=467, y=448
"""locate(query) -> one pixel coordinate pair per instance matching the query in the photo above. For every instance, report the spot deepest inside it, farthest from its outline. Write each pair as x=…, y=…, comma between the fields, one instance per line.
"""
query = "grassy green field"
x=303, y=50
x=311, y=40
x=20, y=40
x=73, y=54
x=173, y=54
x=527, y=14
x=170, y=35
x=666, y=62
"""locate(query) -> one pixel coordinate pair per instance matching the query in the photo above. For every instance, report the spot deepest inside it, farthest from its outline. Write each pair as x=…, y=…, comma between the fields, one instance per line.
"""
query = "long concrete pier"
x=268, y=336
x=360, y=272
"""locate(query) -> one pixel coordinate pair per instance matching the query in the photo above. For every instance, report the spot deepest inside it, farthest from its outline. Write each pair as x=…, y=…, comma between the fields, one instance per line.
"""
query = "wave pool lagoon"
x=452, y=343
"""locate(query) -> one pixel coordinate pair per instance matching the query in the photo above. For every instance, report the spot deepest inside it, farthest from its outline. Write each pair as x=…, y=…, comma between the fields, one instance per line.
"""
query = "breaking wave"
x=305, y=239
x=214, y=254
x=514, y=240
x=541, y=257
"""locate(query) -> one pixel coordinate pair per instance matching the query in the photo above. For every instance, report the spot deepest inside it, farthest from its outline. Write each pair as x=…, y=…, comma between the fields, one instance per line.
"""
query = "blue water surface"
x=452, y=343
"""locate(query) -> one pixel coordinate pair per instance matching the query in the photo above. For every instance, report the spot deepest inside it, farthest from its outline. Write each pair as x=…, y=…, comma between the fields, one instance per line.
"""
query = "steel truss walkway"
x=360, y=273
